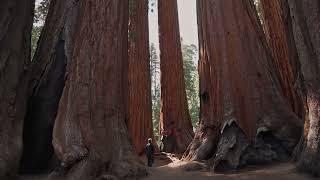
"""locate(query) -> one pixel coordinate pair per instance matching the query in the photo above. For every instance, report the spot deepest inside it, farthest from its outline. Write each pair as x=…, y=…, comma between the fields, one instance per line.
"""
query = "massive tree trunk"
x=305, y=16
x=278, y=30
x=90, y=136
x=175, y=123
x=139, y=120
x=15, y=46
x=244, y=118
x=47, y=83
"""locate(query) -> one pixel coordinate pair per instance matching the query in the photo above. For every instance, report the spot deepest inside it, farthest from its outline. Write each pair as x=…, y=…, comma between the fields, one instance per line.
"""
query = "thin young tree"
x=175, y=123
x=16, y=17
x=244, y=117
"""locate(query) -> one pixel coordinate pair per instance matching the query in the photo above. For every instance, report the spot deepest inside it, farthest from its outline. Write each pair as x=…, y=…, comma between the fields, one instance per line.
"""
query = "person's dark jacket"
x=149, y=150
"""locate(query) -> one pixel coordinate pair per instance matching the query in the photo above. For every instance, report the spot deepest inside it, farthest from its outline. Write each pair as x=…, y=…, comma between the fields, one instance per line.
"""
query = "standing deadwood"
x=90, y=136
x=139, y=121
x=46, y=84
x=278, y=30
x=244, y=118
x=305, y=16
x=15, y=46
x=175, y=123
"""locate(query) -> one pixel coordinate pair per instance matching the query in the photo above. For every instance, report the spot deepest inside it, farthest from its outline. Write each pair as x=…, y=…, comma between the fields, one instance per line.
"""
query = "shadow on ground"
x=169, y=167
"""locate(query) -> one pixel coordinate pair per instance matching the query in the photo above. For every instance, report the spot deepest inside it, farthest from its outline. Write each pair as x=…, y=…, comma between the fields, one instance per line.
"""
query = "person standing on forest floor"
x=149, y=150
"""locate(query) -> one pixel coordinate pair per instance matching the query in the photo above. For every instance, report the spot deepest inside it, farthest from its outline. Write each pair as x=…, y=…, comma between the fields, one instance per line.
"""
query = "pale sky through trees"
x=187, y=20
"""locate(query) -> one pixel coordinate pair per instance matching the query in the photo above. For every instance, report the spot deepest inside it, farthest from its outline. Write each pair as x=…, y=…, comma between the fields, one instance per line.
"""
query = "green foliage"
x=40, y=15
x=189, y=54
x=155, y=90
x=41, y=11
x=132, y=36
x=36, y=31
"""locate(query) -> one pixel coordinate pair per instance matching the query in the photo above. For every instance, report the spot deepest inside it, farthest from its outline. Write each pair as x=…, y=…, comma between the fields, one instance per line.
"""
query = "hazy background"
x=187, y=20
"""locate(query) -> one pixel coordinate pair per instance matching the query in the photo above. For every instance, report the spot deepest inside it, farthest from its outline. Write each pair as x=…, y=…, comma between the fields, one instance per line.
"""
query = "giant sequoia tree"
x=15, y=47
x=175, y=122
x=46, y=83
x=90, y=136
x=305, y=16
x=244, y=117
x=279, y=34
x=139, y=120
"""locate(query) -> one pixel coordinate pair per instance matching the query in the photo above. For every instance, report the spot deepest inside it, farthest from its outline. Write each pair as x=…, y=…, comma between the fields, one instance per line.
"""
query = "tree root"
x=309, y=162
x=233, y=150
x=94, y=169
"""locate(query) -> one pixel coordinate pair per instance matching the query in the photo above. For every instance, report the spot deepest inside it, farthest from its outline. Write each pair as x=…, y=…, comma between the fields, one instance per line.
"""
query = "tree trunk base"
x=307, y=152
x=309, y=162
x=90, y=168
x=168, y=144
x=232, y=150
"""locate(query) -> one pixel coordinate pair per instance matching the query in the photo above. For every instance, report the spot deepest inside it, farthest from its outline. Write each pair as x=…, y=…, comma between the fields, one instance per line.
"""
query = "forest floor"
x=168, y=167
x=180, y=170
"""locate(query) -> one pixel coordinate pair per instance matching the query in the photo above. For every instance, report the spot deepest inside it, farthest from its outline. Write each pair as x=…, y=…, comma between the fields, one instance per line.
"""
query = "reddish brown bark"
x=139, y=90
x=175, y=122
x=90, y=136
x=244, y=117
x=46, y=84
x=305, y=16
x=15, y=46
x=278, y=30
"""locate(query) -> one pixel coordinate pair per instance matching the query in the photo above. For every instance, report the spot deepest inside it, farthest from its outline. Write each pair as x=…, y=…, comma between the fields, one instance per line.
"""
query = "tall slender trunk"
x=16, y=17
x=46, y=84
x=90, y=136
x=139, y=91
x=278, y=29
x=244, y=118
x=175, y=123
x=305, y=16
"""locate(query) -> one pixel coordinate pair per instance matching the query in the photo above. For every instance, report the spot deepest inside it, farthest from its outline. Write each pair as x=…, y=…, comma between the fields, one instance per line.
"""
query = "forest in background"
x=190, y=54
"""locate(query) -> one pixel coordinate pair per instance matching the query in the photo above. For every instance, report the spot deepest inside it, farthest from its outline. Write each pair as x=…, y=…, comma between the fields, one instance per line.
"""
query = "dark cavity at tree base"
x=233, y=150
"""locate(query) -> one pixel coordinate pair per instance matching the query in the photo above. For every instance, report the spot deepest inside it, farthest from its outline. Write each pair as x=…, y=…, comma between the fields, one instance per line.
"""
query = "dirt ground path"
x=168, y=167
x=283, y=171
x=172, y=169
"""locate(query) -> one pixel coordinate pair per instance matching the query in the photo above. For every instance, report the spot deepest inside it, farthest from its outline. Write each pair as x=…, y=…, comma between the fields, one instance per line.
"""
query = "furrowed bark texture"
x=139, y=121
x=175, y=122
x=47, y=83
x=244, y=118
x=305, y=16
x=15, y=42
x=90, y=136
x=279, y=33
